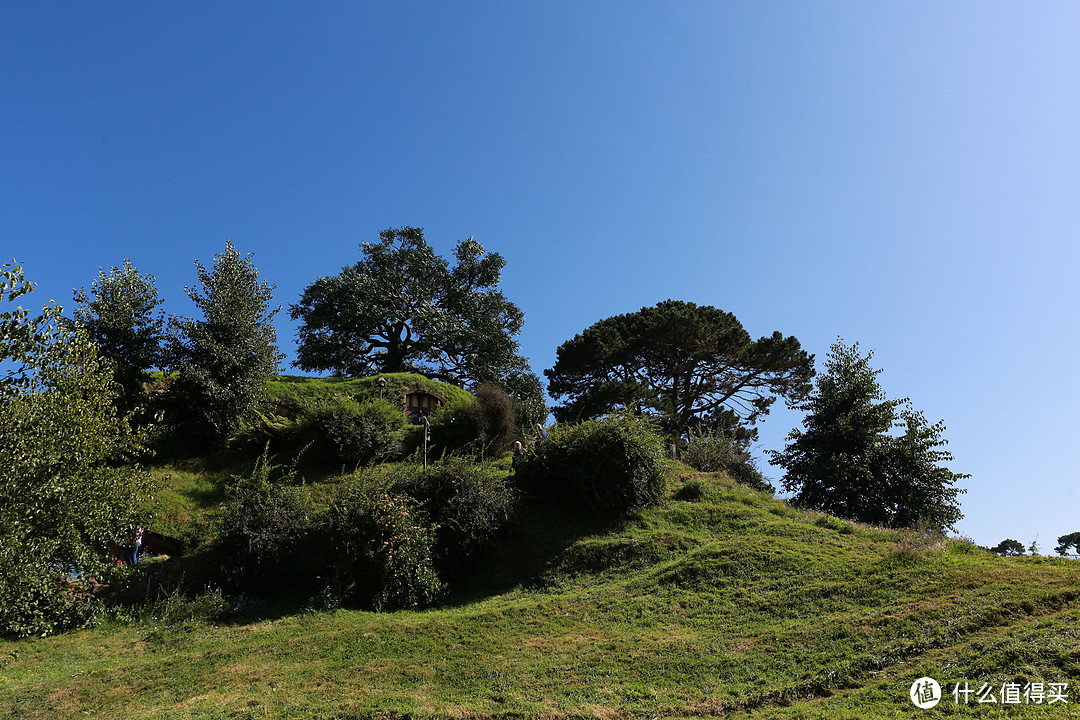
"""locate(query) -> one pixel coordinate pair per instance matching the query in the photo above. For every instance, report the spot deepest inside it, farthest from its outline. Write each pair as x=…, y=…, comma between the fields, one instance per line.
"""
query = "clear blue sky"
x=904, y=175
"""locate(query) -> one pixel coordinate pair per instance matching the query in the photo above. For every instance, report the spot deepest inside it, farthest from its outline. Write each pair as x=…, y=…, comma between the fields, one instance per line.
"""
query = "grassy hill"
x=730, y=604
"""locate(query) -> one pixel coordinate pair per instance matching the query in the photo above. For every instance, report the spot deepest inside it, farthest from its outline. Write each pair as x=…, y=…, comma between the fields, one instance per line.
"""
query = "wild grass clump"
x=609, y=466
x=691, y=490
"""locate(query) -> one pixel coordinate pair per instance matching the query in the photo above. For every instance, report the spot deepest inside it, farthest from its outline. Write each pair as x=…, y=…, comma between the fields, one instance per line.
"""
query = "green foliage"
x=1066, y=541
x=1008, y=548
x=223, y=361
x=691, y=490
x=261, y=525
x=527, y=398
x=713, y=450
x=470, y=503
x=37, y=599
x=362, y=432
x=608, y=466
x=118, y=315
x=847, y=464
x=738, y=606
x=63, y=495
x=403, y=307
x=691, y=365
x=293, y=394
x=485, y=425
x=384, y=552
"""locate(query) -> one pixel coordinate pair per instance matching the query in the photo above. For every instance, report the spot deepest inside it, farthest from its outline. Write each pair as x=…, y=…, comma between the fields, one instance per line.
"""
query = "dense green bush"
x=747, y=473
x=485, y=426
x=362, y=432
x=470, y=503
x=609, y=466
x=38, y=599
x=383, y=550
x=262, y=525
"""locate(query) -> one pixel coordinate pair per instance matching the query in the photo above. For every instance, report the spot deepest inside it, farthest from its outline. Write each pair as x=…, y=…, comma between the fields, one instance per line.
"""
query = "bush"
x=717, y=451
x=470, y=503
x=609, y=466
x=36, y=599
x=262, y=525
x=384, y=551
x=713, y=451
x=362, y=432
x=486, y=425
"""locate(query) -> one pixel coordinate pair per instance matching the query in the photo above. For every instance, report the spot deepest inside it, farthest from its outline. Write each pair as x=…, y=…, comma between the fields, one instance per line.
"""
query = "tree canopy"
x=1008, y=548
x=695, y=366
x=847, y=462
x=224, y=359
x=1066, y=541
x=63, y=493
x=404, y=309
x=118, y=315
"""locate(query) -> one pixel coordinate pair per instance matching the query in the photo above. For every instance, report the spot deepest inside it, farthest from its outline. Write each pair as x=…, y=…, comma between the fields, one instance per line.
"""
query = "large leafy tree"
x=119, y=316
x=864, y=457
x=223, y=360
x=403, y=308
x=694, y=365
x=64, y=492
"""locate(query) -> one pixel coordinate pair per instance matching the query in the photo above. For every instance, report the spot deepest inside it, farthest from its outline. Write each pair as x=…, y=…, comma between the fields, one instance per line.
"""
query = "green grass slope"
x=731, y=605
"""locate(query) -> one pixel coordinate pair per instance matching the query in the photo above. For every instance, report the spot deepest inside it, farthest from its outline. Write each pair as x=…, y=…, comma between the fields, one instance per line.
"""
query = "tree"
x=118, y=315
x=64, y=494
x=693, y=365
x=404, y=309
x=1008, y=548
x=1066, y=541
x=846, y=463
x=223, y=360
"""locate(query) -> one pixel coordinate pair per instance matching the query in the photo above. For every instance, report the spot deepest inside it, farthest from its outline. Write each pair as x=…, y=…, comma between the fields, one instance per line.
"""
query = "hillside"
x=730, y=604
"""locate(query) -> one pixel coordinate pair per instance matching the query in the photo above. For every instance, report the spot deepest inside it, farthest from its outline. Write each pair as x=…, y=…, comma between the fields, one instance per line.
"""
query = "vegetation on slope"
x=732, y=602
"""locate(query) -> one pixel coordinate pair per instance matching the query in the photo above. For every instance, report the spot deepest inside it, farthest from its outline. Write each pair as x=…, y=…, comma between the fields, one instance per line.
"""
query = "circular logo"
x=925, y=693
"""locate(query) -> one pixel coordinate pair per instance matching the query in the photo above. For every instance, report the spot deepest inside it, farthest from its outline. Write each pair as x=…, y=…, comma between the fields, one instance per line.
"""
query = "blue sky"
x=903, y=175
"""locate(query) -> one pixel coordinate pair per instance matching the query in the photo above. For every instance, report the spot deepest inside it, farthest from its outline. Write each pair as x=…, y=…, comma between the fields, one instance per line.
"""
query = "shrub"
x=470, y=503
x=384, y=551
x=713, y=451
x=362, y=432
x=486, y=425
x=608, y=466
x=39, y=599
x=717, y=451
x=262, y=525
x=746, y=473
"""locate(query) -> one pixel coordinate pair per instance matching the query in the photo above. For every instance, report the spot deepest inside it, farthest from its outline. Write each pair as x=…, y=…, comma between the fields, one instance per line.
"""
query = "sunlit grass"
x=731, y=603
